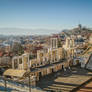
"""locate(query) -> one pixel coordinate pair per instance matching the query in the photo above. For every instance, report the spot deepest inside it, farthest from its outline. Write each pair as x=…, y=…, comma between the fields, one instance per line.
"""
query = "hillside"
x=78, y=31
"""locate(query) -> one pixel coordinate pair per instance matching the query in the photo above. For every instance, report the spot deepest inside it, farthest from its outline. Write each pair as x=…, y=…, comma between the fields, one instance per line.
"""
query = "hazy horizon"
x=27, y=31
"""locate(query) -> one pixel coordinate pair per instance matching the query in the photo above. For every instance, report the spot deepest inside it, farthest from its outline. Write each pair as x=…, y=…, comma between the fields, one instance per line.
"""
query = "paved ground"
x=86, y=88
x=64, y=81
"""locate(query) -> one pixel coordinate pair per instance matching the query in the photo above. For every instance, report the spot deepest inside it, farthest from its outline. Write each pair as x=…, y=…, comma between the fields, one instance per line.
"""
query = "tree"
x=59, y=43
x=17, y=49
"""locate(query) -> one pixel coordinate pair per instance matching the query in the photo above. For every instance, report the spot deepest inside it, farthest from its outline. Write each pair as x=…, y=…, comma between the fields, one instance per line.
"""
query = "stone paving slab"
x=65, y=81
x=86, y=88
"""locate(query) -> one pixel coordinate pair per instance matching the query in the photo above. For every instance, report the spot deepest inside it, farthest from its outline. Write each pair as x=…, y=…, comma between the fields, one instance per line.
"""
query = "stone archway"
x=52, y=70
x=40, y=75
x=62, y=67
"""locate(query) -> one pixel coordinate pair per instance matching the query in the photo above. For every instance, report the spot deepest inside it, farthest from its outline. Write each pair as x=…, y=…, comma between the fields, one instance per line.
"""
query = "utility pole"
x=5, y=84
x=29, y=84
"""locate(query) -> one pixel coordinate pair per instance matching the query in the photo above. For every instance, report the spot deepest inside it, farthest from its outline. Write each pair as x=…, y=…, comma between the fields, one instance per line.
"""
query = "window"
x=20, y=61
x=15, y=63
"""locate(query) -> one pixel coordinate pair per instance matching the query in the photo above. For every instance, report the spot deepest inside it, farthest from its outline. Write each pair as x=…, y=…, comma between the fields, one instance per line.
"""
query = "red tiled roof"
x=1, y=53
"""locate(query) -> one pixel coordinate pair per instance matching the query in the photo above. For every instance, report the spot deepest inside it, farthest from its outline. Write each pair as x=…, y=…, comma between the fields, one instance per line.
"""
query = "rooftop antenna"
x=79, y=25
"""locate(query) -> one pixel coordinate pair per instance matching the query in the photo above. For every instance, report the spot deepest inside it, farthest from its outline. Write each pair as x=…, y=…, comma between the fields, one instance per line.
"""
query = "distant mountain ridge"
x=25, y=31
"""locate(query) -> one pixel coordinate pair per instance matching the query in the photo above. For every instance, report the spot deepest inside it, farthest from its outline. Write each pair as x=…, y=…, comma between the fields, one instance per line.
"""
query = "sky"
x=43, y=16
